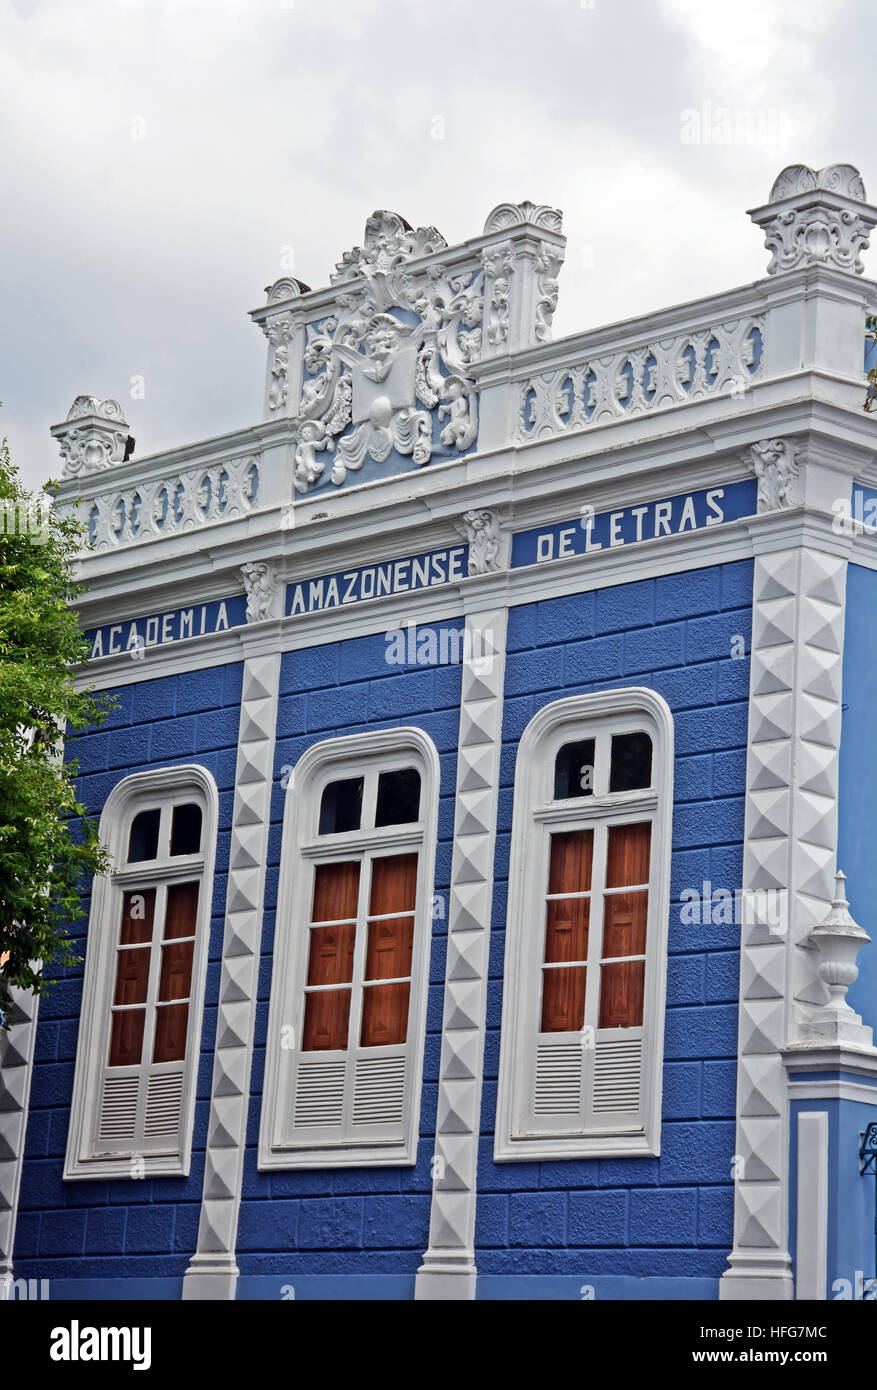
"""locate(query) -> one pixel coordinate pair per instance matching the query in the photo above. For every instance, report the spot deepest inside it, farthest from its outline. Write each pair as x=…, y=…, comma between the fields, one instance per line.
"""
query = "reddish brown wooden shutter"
x=389, y=950
x=622, y=982
x=566, y=932
x=330, y=959
x=132, y=977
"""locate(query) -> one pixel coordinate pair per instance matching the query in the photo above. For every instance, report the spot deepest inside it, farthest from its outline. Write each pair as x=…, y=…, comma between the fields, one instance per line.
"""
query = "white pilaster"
x=213, y=1270
x=811, y=1259
x=448, y=1270
x=16, y=1068
x=789, y=849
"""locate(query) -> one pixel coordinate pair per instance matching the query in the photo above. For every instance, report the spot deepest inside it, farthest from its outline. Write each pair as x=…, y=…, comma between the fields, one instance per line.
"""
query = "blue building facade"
x=490, y=725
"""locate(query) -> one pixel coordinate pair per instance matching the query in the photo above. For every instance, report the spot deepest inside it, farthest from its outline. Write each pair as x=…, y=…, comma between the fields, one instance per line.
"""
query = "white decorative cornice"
x=816, y=218
x=263, y=591
x=94, y=436
x=775, y=464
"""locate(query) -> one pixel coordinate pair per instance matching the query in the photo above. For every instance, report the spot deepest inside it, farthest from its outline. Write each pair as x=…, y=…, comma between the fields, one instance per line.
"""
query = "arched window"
x=583, y=1002
x=351, y=954
x=146, y=956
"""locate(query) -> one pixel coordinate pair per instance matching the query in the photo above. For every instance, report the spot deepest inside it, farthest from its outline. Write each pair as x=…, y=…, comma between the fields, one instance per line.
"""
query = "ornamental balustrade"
x=612, y=381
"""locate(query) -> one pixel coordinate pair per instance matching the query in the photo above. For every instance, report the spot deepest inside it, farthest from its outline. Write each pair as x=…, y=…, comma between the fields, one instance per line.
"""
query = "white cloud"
x=267, y=126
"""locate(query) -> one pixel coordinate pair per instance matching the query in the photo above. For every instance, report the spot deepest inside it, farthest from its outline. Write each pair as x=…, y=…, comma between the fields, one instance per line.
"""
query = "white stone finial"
x=94, y=436
x=838, y=939
x=816, y=217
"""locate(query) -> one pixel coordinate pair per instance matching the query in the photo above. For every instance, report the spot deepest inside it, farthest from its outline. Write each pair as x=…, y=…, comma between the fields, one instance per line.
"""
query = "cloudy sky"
x=164, y=160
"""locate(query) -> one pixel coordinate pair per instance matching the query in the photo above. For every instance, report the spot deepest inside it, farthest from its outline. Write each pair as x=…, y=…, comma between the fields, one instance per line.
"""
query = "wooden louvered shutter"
x=141, y=1088
x=584, y=1073
x=350, y=1074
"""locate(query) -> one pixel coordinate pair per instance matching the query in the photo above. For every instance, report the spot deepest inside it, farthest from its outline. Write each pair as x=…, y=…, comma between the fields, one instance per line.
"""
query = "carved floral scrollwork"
x=498, y=265
x=775, y=464
x=262, y=590
x=397, y=346
x=481, y=529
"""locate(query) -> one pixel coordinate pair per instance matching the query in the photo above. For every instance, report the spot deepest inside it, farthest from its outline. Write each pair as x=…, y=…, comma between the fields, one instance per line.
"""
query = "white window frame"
x=87, y=1156
x=328, y=761
x=535, y=815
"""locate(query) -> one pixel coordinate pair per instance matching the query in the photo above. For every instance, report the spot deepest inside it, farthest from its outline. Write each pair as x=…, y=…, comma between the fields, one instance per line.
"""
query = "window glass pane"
x=138, y=913
x=570, y=867
x=627, y=855
x=336, y=891
x=621, y=994
x=384, y=1015
x=341, y=806
x=175, y=980
x=624, y=924
x=171, y=1024
x=132, y=975
x=182, y=909
x=327, y=1014
x=574, y=770
x=186, y=829
x=393, y=885
x=398, y=797
x=563, y=1000
x=143, y=840
x=331, y=954
x=126, y=1038
x=631, y=764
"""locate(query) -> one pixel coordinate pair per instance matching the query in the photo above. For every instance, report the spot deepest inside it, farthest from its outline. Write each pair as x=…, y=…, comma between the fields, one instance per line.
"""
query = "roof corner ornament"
x=263, y=591
x=816, y=218
x=94, y=436
x=776, y=465
x=521, y=274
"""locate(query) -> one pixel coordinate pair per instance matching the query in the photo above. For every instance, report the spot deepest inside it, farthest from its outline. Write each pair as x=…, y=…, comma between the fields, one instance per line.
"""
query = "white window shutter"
x=347, y=1097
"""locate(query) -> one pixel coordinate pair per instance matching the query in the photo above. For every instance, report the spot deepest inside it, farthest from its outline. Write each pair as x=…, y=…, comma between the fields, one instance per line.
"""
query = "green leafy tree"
x=48, y=844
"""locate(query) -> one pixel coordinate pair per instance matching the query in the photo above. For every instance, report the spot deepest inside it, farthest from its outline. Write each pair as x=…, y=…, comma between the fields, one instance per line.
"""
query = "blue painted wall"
x=851, y=1197
x=126, y=1230
x=350, y=1232
x=564, y=1225
x=857, y=793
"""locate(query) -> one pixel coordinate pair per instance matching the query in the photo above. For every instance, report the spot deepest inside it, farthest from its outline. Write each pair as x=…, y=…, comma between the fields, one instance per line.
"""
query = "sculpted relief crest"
x=387, y=369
